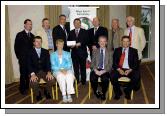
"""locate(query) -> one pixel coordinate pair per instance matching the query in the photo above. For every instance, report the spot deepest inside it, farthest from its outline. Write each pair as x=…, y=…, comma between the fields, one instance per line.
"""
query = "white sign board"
x=85, y=14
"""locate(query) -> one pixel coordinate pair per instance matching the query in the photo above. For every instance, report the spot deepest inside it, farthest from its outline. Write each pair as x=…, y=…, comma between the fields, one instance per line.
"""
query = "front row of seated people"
x=59, y=65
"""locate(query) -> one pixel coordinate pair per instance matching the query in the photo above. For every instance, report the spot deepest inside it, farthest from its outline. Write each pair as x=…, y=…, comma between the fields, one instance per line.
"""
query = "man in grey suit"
x=101, y=66
x=115, y=35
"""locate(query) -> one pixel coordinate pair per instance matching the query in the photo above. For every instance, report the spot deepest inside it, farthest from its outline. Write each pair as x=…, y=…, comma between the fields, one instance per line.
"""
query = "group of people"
x=114, y=53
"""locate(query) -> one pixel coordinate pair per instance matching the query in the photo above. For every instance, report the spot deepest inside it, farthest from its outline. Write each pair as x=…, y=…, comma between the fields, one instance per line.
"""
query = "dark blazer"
x=58, y=33
x=23, y=44
x=83, y=39
x=132, y=58
x=107, y=60
x=35, y=64
x=94, y=38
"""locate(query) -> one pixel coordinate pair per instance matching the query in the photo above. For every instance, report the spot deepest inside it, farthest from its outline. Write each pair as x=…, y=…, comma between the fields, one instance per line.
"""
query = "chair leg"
x=132, y=95
x=110, y=90
x=76, y=88
x=32, y=97
x=53, y=94
x=89, y=89
x=56, y=92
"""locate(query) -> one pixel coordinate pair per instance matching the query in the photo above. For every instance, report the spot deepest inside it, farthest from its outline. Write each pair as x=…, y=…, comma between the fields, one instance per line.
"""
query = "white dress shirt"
x=38, y=50
x=95, y=30
x=125, y=63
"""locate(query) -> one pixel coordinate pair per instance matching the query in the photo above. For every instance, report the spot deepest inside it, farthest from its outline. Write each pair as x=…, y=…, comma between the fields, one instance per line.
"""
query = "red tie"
x=121, y=61
x=130, y=35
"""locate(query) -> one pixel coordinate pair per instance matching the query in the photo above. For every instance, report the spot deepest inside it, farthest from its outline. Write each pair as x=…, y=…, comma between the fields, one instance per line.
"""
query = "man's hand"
x=49, y=76
x=78, y=44
x=33, y=78
x=102, y=72
x=97, y=72
x=94, y=47
x=128, y=71
x=121, y=71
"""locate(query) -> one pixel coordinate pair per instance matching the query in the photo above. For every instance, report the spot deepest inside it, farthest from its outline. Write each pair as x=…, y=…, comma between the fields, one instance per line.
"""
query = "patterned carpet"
x=146, y=94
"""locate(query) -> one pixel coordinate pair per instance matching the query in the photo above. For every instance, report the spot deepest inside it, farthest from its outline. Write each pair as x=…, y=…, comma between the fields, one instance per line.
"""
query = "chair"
x=124, y=81
x=41, y=82
x=110, y=88
x=76, y=89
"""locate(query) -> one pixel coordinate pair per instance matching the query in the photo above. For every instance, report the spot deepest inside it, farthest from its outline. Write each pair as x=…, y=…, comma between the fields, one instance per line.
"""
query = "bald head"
x=130, y=21
x=96, y=22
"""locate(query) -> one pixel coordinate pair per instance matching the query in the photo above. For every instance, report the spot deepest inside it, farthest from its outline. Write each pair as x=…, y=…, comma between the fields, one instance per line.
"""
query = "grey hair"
x=133, y=19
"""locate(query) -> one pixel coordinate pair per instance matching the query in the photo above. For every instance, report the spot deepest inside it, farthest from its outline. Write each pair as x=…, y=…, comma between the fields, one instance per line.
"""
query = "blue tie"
x=101, y=59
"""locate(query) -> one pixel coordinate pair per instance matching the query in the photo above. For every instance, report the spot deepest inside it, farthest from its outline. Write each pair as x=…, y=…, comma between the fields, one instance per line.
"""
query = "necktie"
x=95, y=30
x=76, y=32
x=39, y=52
x=64, y=29
x=101, y=59
x=121, y=61
x=29, y=34
x=130, y=35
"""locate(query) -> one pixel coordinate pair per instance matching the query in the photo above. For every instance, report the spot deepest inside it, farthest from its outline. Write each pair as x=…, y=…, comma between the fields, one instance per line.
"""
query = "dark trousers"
x=24, y=78
x=35, y=85
x=104, y=81
x=79, y=65
x=134, y=75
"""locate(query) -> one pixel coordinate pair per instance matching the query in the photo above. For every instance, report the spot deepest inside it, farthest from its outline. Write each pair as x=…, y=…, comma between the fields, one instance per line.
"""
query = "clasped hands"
x=124, y=72
x=99, y=73
x=34, y=78
x=76, y=45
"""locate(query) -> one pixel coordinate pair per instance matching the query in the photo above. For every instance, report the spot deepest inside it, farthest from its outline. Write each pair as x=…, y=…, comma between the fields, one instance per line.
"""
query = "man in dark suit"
x=61, y=32
x=125, y=63
x=101, y=66
x=94, y=34
x=79, y=51
x=23, y=43
x=39, y=66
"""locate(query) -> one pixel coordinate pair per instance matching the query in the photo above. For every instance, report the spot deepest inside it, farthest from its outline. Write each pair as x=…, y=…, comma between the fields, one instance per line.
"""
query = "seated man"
x=125, y=64
x=101, y=66
x=39, y=67
x=61, y=65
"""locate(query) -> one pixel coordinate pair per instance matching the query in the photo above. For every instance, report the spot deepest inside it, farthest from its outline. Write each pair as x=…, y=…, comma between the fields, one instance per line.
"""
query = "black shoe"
x=47, y=95
x=127, y=96
x=83, y=83
x=25, y=92
x=103, y=97
x=98, y=94
x=117, y=97
x=39, y=97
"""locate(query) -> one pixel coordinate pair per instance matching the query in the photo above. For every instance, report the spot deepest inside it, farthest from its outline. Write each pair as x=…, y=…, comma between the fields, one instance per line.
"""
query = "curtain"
x=103, y=14
x=9, y=78
x=52, y=12
x=135, y=11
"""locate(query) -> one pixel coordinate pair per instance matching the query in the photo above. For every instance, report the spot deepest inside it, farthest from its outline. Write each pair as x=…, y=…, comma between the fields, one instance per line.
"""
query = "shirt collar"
x=96, y=27
x=62, y=26
x=37, y=49
x=78, y=29
x=131, y=27
x=125, y=48
x=27, y=31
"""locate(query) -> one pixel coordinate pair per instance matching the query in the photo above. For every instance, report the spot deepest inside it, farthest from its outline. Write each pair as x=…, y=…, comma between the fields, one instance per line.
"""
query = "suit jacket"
x=132, y=58
x=35, y=64
x=66, y=61
x=58, y=33
x=115, y=42
x=139, y=40
x=41, y=32
x=94, y=37
x=23, y=44
x=83, y=39
x=107, y=60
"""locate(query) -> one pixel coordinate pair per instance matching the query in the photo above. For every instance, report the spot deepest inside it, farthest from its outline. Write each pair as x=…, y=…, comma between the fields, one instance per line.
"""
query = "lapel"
x=106, y=57
x=129, y=56
x=98, y=56
x=35, y=53
x=135, y=34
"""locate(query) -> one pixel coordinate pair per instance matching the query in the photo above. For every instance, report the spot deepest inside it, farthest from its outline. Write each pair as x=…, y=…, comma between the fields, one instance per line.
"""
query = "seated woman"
x=61, y=65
